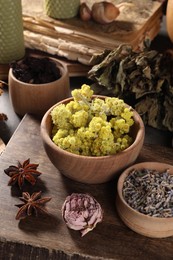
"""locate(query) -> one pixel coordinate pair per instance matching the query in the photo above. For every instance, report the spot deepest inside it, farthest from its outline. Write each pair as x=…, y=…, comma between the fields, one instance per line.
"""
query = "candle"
x=62, y=9
x=11, y=31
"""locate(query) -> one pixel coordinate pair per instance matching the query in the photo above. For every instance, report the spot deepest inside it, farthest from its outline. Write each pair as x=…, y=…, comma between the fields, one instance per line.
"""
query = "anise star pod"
x=23, y=171
x=81, y=212
x=32, y=205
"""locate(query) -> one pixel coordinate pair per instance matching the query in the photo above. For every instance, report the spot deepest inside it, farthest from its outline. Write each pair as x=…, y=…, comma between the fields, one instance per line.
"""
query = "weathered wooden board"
x=2, y=146
x=47, y=237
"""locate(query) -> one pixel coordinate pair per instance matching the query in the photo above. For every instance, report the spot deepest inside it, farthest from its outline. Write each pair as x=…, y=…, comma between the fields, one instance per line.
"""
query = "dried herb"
x=23, y=171
x=150, y=192
x=81, y=212
x=36, y=70
x=137, y=77
x=32, y=205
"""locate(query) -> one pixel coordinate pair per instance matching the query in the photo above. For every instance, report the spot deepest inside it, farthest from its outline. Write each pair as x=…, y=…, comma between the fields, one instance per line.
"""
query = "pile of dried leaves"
x=143, y=79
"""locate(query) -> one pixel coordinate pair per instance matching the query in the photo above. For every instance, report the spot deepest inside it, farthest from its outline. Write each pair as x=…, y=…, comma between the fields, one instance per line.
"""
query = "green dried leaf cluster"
x=143, y=79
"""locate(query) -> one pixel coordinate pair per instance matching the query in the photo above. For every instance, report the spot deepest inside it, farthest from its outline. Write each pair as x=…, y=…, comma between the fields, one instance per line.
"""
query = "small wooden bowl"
x=36, y=99
x=143, y=224
x=88, y=169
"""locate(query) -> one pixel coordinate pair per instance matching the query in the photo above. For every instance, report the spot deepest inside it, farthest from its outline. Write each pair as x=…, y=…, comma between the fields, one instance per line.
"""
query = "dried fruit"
x=21, y=172
x=81, y=212
x=35, y=70
x=32, y=204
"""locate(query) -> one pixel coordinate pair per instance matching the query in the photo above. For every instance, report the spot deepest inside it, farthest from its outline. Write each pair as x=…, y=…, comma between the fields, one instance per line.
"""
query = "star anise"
x=23, y=171
x=32, y=204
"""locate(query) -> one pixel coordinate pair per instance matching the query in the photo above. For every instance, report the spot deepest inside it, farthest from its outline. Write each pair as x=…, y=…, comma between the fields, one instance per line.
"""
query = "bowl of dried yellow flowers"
x=92, y=138
x=145, y=198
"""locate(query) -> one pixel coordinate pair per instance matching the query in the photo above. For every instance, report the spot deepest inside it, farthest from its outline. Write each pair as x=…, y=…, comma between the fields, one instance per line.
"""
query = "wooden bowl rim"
x=46, y=137
x=142, y=165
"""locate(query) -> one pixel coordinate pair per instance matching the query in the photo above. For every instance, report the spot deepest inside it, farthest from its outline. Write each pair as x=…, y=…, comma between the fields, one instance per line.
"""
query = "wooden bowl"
x=143, y=224
x=169, y=19
x=36, y=99
x=88, y=169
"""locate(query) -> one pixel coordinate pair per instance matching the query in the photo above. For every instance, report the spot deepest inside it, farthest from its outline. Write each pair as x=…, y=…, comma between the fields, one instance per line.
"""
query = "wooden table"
x=47, y=237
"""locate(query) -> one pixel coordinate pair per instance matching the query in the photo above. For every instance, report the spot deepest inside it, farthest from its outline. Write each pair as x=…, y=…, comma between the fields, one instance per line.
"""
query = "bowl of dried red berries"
x=36, y=83
x=145, y=199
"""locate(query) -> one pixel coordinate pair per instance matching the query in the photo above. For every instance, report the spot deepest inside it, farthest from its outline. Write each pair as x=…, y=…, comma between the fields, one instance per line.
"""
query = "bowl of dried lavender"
x=36, y=83
x=145, y=199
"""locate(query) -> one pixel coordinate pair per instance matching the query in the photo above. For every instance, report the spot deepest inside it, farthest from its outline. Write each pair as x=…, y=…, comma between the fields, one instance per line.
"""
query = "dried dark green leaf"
x=168, y=119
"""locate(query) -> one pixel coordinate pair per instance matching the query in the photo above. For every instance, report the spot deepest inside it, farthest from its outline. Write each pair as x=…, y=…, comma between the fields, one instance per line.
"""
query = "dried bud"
x=84, y=12
x=81, y=212
x=104, y=12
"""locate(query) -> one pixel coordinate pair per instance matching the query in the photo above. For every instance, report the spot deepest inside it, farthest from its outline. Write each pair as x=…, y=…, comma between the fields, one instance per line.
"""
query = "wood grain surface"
x=2, y=146
x=47, y=237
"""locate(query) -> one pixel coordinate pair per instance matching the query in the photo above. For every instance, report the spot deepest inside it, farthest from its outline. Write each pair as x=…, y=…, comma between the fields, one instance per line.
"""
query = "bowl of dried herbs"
x=144, y=199
x=36, y=83
x=91, y=138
